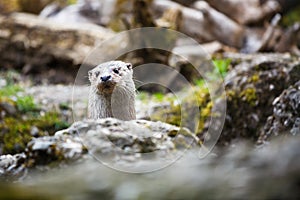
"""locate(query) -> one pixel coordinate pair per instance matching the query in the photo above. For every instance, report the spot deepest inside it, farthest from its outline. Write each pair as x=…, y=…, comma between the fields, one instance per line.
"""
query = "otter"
x=112, y=91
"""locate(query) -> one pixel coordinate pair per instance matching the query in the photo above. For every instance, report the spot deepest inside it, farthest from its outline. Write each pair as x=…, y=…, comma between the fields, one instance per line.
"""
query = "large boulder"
x=251, y=88
x=286, y=115
x=125, y=143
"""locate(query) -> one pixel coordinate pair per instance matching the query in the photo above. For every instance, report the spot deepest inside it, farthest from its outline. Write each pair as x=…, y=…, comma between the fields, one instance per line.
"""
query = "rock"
x=132, y=144
x=286, y=115
x=3, y=82
x=83, y=11
x=49, y=149
x=140, y=136
x=251, y=88
x=232, y=173
x=243, y=11
x=289, y=40
x=8, y=108
x=193, y=22
x=12, y=166
x=34, y=131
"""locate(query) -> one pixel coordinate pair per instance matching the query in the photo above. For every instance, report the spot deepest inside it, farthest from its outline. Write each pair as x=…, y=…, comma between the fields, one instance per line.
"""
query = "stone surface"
x=12, y=167
x=286, y=115
x=130, y=144
x=251, y=87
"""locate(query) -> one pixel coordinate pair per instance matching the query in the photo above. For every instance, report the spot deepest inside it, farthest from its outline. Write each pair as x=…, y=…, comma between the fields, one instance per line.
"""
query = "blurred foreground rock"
x=265, y=173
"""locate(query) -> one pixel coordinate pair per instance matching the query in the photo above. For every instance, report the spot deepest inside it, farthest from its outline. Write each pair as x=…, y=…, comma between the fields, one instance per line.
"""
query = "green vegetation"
x=200, y=82
x=14, y=93
x=254, y=78
x=291, y=17
x=23, y=119
x=197, y=97
x=180, y=113
x=221, y=66
x=249, y=95
x=26, y=104
x=10, y=90
x=71, y=2
x=158, y=96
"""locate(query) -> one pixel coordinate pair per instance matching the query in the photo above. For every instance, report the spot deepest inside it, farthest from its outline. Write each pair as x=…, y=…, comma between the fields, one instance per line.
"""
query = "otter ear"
x=129, y=66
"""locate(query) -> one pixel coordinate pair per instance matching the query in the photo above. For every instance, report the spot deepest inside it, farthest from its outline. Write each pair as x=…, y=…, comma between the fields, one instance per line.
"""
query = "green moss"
x=10, y=90
x=249, y=95
x=200, y=83
x=26, y=104
x=180, y=114
x=170, y=116
x=16, y=134
x=71, y=1
x=15, y=131
x=230, y=94
x=52, y=122
x=254, y=78
x=14, y=93
x=291, y=17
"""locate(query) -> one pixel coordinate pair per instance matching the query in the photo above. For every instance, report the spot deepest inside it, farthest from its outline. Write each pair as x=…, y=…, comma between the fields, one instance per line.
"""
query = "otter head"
x=107, y=77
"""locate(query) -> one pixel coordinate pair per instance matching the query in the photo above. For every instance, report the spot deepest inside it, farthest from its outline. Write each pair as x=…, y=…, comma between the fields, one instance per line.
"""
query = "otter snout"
x=105, y=78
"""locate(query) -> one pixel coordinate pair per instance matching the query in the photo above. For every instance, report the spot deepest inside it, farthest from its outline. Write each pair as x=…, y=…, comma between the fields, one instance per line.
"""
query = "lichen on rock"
x=22, y=119
x=249, y=100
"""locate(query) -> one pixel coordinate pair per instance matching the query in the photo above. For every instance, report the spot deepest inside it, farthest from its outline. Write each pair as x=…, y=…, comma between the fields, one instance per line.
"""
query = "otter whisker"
x=138, y=81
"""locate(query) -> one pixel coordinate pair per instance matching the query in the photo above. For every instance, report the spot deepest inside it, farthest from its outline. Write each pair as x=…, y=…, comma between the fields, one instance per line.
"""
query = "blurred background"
x=249, y=47
x=220, y=26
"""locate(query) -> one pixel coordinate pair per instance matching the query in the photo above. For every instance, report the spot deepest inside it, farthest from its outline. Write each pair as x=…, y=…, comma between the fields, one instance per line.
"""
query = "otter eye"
x=97, y=74
x=116, y=71
x=129, y=66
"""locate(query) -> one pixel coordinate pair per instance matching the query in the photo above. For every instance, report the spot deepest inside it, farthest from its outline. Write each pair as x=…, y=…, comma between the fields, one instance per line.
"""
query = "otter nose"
x=105, y=78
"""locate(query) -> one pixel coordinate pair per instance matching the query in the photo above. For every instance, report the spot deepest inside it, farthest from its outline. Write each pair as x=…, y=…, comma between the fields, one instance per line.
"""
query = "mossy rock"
x=22, y=119
x=285, y=119
x=180, y=114
x=250, y=94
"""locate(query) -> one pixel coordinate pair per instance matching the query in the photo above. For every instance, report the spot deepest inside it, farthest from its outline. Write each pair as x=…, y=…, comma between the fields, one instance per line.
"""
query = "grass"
x=221, y=66
x=15, y=93
x=26, y=104
x=10, y=90
x=158, y=96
